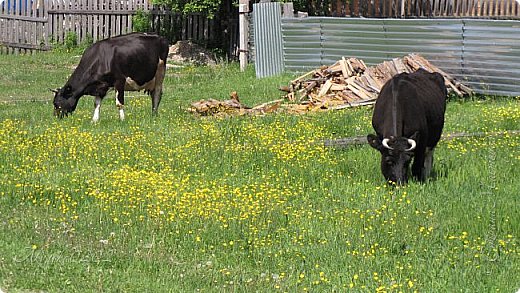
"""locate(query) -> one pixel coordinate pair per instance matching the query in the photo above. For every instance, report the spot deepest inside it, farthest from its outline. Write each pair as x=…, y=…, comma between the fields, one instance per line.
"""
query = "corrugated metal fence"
x=485, y=54
x=268, y=35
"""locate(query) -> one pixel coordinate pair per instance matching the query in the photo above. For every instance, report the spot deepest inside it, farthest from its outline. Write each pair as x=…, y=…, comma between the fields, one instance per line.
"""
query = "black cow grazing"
x=129, y=62
x=408, y=119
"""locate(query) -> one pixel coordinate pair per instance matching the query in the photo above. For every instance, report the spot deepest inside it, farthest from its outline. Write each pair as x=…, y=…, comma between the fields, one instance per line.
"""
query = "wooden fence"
x=28, y=25
x=220, y=31
x=175, y=26
x=96, y=19
x=23, y=25
x=32, y=25
x=496, y=9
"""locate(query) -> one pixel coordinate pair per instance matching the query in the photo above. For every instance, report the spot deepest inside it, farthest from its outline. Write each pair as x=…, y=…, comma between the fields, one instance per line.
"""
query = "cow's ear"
x=374, y=142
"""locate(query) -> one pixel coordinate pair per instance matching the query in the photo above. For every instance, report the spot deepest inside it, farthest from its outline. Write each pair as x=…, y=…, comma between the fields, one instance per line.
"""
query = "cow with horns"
x=408, y=120
x=131, y=62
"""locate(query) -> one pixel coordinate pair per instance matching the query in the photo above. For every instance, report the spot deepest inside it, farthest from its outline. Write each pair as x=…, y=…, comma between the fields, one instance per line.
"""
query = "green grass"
x=179, y=203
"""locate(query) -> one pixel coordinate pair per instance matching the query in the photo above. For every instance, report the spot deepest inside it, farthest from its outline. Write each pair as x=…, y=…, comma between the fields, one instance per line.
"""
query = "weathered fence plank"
x=33, y=25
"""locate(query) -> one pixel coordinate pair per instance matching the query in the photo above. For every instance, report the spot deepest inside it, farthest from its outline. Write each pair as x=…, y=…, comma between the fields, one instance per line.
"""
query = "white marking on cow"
x=121, y=108
x=428, y=162
x=131, y=85
x=97, y=106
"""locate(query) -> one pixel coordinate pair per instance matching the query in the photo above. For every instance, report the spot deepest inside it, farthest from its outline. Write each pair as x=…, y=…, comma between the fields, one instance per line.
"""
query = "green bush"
x=141, y=21
x=71, y=41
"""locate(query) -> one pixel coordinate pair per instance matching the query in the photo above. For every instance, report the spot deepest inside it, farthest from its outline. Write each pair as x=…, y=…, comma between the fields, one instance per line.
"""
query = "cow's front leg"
x=120, y=103
x=97, y=107
x=428, y=162
x=418, y=166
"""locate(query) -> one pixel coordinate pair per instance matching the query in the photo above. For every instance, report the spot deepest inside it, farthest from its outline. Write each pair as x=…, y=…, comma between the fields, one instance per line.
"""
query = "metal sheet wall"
x=492, y=56
x=483, y=53
x=268, y=39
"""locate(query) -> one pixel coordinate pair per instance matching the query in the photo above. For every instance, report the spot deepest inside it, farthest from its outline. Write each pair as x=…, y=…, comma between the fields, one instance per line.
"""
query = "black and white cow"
x=131, y=62
x=408, y=119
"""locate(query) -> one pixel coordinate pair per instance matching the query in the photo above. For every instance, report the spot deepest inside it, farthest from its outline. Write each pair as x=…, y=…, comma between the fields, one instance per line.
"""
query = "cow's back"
x=135, y=55
x=420, y=105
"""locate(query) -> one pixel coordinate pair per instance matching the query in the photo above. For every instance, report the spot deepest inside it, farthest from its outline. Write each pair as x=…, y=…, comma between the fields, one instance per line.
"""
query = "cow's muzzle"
x=60, y=113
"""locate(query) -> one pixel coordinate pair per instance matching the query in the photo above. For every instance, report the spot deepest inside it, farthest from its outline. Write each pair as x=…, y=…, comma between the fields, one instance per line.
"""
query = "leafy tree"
x=210, y=7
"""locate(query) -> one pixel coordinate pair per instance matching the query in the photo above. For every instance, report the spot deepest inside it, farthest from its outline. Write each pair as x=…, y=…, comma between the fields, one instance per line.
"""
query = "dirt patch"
x=189, y=52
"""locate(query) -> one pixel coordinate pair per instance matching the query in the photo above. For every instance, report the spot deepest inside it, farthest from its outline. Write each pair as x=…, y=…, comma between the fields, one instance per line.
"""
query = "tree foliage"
x=209, y=7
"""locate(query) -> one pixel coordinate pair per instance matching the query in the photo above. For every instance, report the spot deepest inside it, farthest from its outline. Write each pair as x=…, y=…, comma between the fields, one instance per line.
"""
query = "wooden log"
x=350, y=67
x=372, y=82
x=325, y=88
x=359, y=84
x=360, y=93
x=308, y=88
x=298, y=79
x=399, y=65
x=354, y=104
x=344, y=68
x=344, y=95
x=338, y=87
x=336, y=67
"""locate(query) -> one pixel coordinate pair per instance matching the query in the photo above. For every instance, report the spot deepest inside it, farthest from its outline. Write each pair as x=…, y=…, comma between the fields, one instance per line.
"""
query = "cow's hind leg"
x=97, y=107
x=120, y=104
x=156, y=93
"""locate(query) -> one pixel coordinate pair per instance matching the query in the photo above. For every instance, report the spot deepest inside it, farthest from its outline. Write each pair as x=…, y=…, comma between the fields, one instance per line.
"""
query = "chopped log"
x=399, y=65
x=298, y=79
x=325, y=88
x=344, y=69
x=337, y=87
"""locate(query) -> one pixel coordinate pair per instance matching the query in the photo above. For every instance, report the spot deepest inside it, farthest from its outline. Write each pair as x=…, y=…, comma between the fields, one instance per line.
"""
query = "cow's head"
x=396, y=154
x=64, y=102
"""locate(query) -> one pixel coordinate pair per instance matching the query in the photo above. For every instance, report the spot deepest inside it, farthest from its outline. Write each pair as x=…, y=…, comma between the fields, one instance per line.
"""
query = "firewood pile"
x=232, y=106
x=349, y=82
x=346, y=83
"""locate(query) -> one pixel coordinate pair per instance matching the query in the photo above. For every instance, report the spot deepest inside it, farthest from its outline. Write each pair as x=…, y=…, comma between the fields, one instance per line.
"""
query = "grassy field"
x=179, y=203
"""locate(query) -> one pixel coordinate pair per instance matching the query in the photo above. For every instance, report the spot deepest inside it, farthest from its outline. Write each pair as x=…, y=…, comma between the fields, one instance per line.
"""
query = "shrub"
x=71, y=41
x=141, y=21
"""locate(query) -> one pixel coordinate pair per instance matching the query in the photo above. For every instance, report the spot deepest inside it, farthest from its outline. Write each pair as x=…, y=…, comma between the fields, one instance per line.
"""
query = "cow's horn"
x=412, y=143
x=385, y=143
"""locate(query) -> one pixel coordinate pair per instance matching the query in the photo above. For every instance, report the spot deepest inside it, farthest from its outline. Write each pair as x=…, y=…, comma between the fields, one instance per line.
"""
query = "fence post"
x=243, y=27
x=288, y=10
